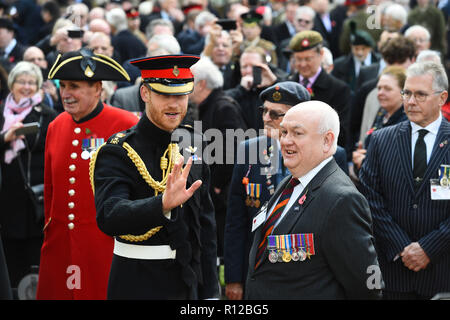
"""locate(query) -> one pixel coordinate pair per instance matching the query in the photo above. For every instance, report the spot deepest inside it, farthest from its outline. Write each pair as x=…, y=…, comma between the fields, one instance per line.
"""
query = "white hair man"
x=331, y=209
x=421, y=37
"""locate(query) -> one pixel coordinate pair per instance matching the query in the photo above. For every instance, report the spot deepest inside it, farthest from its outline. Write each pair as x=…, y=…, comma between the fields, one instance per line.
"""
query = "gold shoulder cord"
x=166, y=166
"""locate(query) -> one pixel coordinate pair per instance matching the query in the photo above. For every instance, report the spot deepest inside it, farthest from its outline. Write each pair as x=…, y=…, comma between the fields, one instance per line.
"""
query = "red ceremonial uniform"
x=76, y=255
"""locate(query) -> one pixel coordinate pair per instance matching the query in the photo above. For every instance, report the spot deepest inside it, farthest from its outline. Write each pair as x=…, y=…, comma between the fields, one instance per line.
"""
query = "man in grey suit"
x=314, y=239
x=411, y=220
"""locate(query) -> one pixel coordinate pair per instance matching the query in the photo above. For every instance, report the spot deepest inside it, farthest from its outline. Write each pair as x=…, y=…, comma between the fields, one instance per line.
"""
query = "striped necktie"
x=273, y=218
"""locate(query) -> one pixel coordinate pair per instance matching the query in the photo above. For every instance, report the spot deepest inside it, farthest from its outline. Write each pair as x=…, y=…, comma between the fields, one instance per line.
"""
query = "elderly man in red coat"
x=76, y=255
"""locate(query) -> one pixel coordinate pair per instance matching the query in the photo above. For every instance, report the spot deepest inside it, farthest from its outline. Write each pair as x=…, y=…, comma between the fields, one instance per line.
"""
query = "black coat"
x=334, y=92
x=17, y=219
x=339, y=218
x=128, y=46
x=219, y=111
x=126, y=204
x=344, y=69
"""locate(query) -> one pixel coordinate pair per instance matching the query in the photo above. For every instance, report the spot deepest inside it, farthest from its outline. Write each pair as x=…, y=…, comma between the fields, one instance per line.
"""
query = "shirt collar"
x=10, y=46
x=432, y=127
x=313, y=78
x=304, y=180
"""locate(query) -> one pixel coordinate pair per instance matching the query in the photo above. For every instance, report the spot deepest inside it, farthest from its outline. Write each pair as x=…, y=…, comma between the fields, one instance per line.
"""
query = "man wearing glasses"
x=254, y=181
x=405, y=180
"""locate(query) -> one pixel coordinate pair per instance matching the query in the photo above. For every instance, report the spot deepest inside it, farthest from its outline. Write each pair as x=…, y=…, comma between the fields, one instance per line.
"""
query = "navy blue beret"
x=286, y=92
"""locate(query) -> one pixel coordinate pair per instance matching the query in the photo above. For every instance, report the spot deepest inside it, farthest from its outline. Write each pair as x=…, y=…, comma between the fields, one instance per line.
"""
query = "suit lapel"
x=440, y=149
x=306, y=197
x=404, y=151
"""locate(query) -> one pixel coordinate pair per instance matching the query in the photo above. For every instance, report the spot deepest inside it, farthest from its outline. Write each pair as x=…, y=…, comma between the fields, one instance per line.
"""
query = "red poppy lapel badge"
x=311, y=92
x=370, y=131
x=302, y=199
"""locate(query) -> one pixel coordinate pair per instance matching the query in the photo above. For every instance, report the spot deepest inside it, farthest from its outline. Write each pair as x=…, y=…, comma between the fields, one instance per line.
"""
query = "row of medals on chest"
x=253, y=190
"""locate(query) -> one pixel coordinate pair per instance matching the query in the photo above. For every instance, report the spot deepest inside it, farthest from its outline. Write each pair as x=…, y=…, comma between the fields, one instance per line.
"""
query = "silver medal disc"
x=273, y=257
x=85, y=155
x=302, y=255
x=295, y=255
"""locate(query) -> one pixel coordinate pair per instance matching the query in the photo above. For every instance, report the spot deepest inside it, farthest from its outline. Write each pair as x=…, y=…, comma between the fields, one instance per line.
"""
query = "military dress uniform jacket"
x=402, y=215
x=76, y=255
x=238, y=235
x=126, y=204
x=339, y=218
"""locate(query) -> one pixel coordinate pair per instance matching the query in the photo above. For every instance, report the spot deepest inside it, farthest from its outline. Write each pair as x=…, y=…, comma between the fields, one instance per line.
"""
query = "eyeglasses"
x=418, y=95
x=23, y=83
x=304, y=21
x=272, y=113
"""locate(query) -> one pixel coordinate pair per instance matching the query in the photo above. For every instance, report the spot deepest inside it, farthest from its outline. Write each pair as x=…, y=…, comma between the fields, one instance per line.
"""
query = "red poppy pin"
x=305, y=43
x=11, y=59
x=370, y=131
x=302, y=198
x=311, y=92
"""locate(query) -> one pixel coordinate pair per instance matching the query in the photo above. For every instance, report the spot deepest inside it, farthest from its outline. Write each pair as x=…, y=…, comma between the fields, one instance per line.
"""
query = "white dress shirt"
x=304, y=180
x=430, y=137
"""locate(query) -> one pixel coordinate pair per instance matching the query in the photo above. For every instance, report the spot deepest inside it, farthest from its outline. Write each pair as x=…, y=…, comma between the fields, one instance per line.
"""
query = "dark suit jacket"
x=401, y=215
x=128, y=46
x=344, y=69
x=128, y=98
x=339, y=218
x=238, y=235
x=336, y=93
x=332, y=38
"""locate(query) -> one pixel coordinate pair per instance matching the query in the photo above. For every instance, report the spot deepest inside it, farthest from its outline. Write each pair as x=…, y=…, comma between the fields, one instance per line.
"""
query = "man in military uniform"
x=254, y=181
x=251, y=29
x=76, y=256
x=161, y=215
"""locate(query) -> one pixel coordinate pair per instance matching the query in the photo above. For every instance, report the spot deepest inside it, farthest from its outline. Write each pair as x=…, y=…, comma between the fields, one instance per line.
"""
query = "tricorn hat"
x=168, y=74
x=84, y=65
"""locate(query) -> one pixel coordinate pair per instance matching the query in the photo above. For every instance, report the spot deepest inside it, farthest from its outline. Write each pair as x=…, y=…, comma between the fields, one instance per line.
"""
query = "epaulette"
x=190, y=128
x=120, y=137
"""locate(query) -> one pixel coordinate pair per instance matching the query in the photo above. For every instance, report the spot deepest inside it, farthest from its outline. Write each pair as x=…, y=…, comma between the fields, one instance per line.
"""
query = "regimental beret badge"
x=276, y=96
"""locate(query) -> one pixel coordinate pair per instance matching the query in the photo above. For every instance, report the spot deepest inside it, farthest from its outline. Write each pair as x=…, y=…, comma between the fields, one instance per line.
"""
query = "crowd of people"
x=349, y=102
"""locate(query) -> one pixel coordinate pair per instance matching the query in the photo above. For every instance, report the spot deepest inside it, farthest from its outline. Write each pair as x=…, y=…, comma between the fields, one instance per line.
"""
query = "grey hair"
x=417, y=27
x=158, y=22
x=328, y=118
x=117, y=18
x=28, y=68
x=327, y=56
x=305, y=9
x=206, y=70
x=163, y=42
x=397, y=12
x=435, y=70
x=429, y=55
x=203, y=18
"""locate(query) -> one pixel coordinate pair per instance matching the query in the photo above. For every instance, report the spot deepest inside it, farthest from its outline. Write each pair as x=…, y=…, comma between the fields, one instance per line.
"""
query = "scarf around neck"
x=15, y=112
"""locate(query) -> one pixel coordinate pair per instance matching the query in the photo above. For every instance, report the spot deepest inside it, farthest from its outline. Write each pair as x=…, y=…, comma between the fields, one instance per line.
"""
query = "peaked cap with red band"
x=168, y=74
